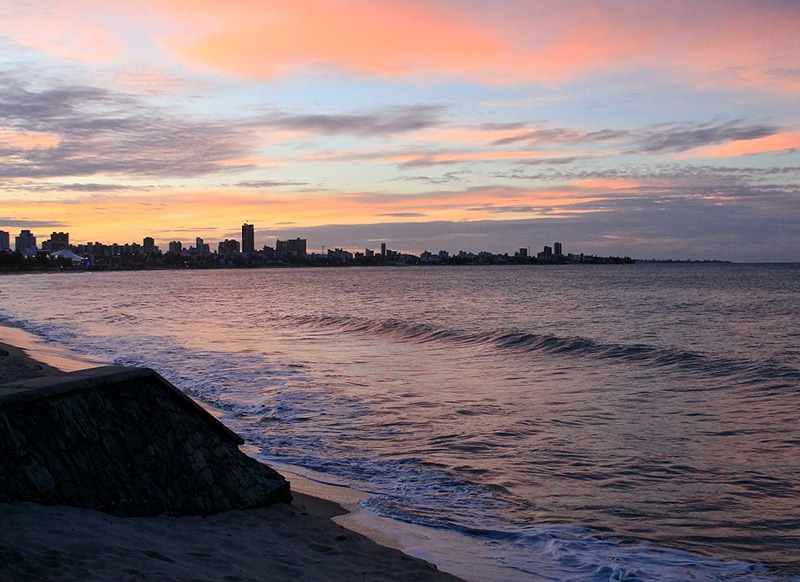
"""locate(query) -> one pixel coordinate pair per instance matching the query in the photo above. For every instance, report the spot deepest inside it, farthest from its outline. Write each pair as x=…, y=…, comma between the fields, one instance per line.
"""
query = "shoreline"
x=319, y=536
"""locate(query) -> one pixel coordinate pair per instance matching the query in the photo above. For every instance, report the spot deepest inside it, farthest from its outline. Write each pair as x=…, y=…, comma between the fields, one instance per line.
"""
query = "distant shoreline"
x=34, y=268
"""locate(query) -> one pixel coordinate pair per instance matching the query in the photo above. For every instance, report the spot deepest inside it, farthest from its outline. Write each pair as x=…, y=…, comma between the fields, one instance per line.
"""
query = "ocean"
x=566, y=422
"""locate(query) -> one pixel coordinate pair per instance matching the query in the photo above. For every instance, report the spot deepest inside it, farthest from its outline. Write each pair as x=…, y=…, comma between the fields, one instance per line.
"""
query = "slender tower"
x=248, y=238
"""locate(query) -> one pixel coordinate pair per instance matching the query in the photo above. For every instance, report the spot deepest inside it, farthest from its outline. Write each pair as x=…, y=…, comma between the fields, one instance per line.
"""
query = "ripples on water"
x=536, y=408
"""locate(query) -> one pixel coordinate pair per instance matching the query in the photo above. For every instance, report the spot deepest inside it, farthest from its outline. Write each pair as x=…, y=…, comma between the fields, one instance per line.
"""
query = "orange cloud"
x=384, y=38
x=28, y=140
x=772, y=143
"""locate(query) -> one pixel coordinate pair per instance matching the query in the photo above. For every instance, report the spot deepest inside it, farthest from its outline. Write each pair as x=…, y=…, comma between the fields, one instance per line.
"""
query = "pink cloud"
x=77, y=31
x=711, y=42
x=708, y=42
x=784, y=141
x=384, y=38
x=28, y=140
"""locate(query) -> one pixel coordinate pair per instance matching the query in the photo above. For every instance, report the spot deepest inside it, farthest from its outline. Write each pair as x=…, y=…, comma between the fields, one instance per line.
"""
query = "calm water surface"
x=575, y=422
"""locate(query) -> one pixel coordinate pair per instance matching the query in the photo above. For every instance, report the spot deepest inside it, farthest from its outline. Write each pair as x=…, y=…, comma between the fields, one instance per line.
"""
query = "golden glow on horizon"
x=217, y=215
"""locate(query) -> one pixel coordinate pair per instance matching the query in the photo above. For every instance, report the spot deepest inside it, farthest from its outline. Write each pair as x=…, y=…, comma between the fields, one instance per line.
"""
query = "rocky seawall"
x=127, y=442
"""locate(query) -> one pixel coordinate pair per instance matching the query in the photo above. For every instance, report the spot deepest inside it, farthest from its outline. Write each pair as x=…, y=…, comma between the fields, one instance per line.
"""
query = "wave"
x=518, y=342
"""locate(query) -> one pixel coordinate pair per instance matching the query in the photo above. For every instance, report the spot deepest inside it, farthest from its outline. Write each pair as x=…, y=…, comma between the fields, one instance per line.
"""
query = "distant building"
x=5, y=245
x=248, y=238
x=340, y=255
x=201, y=248
x=291, y=248
x=228, y=247
x=557, y=249
x=25, y=243
x=148, y=244
x=59, y=241
x=175, y=247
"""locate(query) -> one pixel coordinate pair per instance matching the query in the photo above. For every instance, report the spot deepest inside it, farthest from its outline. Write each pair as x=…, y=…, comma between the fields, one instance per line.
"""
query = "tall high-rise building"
x=148, y=244
x=4, y=241
x=557, y=249
x=201, y=248
x=248, y=238
x=25, y=243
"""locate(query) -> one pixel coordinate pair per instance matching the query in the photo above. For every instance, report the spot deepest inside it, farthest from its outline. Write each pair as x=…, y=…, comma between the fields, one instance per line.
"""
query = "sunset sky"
x=617, y=127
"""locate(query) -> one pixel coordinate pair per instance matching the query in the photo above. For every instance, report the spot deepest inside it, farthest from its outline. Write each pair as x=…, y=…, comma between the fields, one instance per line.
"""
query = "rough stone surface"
x=127, y=442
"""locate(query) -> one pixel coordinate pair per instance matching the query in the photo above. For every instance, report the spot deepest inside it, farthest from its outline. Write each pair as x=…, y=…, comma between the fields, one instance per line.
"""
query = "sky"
x=617, y=127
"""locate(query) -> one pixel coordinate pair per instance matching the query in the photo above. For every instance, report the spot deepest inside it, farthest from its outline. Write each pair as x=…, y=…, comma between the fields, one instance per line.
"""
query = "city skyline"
x=30, y=243
x=642, y=129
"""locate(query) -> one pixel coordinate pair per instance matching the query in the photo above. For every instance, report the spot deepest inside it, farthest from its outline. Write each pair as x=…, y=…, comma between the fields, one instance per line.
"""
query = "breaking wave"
x=519, y=342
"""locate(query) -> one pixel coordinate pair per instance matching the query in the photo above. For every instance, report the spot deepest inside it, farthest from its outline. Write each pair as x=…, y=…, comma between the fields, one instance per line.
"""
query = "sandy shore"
x=16, y=365
x=280, y=542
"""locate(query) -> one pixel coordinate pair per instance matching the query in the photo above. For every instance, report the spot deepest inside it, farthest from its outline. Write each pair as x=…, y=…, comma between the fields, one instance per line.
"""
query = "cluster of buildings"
x=234, y=253
x=94, y=254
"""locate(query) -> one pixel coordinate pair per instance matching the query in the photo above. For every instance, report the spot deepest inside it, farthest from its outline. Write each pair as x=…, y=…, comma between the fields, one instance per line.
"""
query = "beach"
x=280, y=542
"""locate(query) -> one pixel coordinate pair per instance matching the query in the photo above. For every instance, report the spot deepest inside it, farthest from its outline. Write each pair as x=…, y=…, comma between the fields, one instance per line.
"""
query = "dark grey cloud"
x=88, y=187
x=679, y=175
x=102, y=132
x=7, y=223
x=683, y=137
x=265, y=184
x=656, y=139
x=551, y=161
x=683, y=229
x=384, y=122
x=504, y=126
x=404, y=215
x=739, y=222
x=510, y=209
x=445, y=178
x=425, y=162
x=563, y=135
x=419, y=157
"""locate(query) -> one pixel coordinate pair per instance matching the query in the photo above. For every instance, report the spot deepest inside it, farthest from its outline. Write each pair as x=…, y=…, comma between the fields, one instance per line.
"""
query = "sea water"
x=586, y=422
